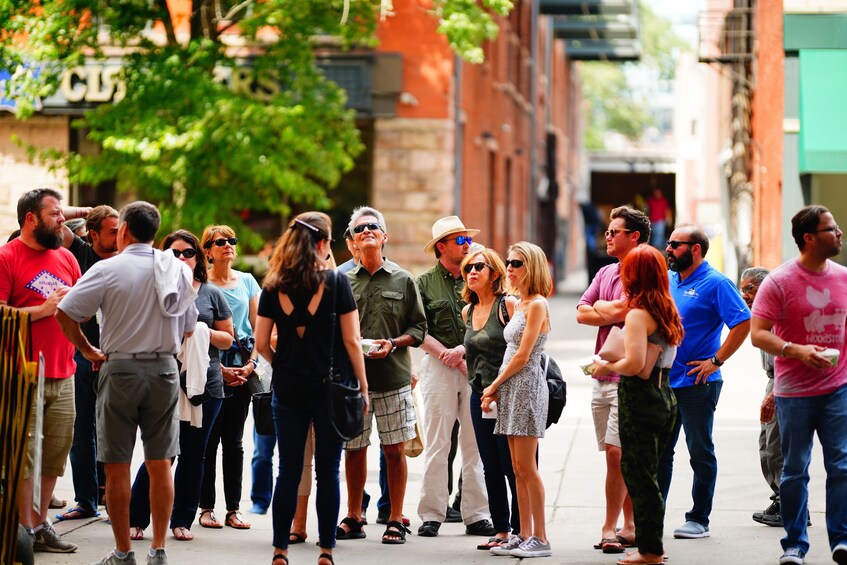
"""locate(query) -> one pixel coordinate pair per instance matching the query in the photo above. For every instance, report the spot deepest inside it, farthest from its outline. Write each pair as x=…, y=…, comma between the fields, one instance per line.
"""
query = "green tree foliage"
x=180, y=137
x=612, y=102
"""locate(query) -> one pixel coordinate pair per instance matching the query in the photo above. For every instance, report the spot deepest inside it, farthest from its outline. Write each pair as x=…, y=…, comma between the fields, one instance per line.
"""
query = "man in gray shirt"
x=146, y=304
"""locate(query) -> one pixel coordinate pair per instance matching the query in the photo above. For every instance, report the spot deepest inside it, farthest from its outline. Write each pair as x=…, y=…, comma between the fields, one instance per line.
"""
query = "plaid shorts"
x=395, y=419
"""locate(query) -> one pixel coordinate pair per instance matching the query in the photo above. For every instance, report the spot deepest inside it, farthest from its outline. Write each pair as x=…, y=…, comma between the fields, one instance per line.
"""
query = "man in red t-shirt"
x=35, y=273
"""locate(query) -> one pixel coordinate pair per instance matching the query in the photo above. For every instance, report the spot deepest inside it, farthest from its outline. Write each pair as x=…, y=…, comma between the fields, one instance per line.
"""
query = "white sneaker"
x=691, y=530
x=506, y=548
x=533, y=547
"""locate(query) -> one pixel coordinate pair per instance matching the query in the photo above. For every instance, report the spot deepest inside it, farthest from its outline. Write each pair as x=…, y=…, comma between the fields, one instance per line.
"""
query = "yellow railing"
x=17, y=385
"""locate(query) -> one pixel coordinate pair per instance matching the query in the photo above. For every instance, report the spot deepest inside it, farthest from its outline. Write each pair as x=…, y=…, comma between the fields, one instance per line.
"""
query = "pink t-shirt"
x=806, y=307
x=605, y=286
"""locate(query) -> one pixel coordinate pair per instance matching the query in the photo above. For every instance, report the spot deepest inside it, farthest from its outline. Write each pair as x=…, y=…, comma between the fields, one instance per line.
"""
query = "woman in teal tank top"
x=484, y=274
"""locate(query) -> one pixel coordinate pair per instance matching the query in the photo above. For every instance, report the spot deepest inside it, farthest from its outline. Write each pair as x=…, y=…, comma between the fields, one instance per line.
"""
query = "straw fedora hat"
x=447, y=226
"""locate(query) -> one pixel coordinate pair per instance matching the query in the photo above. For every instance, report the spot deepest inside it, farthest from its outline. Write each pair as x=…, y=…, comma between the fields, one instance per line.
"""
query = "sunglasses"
x=220, y=242
x=514, y=263
x=372, y=226
x=461, y=240
x=613, y=233
x=476, y=267
x=674, y=244
x=187, y=253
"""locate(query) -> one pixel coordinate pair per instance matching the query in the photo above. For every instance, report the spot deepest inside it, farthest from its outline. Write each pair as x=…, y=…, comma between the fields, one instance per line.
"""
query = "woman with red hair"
x=646, y=405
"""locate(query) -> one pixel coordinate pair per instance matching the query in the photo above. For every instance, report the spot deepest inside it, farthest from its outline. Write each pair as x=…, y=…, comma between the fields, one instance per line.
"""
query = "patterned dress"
x=522, y=404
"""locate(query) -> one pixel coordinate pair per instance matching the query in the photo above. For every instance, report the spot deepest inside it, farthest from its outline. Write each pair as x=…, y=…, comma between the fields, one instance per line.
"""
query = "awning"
x=823, y=111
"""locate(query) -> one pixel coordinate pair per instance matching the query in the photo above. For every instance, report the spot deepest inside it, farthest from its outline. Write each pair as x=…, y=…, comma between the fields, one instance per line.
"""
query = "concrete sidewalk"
x=573, y=472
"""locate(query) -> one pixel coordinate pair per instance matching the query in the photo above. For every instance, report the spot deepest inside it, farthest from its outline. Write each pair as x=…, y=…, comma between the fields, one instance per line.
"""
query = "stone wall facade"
x=413, y=184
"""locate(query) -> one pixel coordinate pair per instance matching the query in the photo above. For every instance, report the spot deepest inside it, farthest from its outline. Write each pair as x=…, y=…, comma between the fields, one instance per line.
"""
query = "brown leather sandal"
x=234, y=520
x=211, y=521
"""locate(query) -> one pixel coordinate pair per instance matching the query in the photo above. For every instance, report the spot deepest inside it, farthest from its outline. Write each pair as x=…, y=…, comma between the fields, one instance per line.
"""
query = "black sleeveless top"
x=484, y=349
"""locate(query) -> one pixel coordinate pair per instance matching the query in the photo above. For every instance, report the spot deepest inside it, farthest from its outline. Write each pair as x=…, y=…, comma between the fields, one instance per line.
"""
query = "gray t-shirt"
x=212, y=306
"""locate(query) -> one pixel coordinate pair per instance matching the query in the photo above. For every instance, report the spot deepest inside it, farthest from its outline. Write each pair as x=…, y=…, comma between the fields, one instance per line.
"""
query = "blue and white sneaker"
x=793, y=555
x=511, y=544
x=533, y=547
x=692, y=530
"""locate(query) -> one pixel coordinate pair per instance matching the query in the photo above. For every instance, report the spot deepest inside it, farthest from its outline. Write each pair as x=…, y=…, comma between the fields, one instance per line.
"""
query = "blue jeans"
x=696, y=414
x=187, y=478
x=263, y=469
x=84, y=467
x=383, y=505
x=292, y=428
x=799, y=419
x=497, y=468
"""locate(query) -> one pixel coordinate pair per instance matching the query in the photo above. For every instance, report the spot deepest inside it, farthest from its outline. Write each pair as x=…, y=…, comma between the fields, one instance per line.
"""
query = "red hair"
x=644, y=276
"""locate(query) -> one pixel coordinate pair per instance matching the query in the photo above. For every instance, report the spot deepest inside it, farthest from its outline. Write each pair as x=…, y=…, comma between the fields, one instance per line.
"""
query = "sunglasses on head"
x=221, y=241
x=514, y=263
x=674, y=244
x=476, y=267
x=187, y=253
x=461, y=240
x=372, y=226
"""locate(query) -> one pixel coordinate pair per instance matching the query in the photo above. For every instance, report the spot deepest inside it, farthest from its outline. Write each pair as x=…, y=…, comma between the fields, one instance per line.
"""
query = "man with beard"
x=88, y=477
x=707, y=300
x=799, y=317
x=35, y=273
x=444, y=386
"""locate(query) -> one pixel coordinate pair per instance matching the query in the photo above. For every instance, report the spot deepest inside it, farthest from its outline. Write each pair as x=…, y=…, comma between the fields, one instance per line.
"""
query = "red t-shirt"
x=658, y=208
x=27, y=278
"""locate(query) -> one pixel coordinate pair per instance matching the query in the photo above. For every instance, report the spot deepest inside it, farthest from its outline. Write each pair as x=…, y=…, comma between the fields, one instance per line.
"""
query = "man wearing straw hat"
x=444, y=385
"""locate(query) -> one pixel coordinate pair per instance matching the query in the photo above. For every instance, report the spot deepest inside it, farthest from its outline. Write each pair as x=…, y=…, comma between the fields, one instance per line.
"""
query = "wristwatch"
x=715, y=361
x=393, y=344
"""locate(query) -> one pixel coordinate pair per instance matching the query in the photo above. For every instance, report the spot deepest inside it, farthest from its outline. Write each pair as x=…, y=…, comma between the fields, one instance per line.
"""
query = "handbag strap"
x=504, y=312
x=333, y=319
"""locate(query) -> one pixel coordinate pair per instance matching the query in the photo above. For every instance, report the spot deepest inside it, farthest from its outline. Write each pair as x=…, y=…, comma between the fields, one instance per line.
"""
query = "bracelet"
x=255, y=363
x=784, y=347
x=393, y=344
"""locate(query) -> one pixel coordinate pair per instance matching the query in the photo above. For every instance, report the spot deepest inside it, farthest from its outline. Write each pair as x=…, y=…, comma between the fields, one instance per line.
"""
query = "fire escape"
x=727, y=39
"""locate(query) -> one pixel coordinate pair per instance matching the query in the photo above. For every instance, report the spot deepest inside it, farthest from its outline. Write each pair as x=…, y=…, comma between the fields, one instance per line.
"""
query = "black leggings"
x=227, y=431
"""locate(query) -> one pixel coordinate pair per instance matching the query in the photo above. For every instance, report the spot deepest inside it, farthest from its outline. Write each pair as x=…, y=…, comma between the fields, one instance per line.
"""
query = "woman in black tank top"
x=487, y=312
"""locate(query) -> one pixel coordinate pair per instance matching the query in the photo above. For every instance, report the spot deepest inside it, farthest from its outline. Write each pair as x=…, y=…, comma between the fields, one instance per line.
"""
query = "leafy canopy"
x=182, y=139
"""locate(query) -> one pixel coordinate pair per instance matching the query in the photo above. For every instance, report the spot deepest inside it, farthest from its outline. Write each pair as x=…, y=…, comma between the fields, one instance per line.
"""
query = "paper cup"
x=369, y=346
x=587, y=365
x=831, y=354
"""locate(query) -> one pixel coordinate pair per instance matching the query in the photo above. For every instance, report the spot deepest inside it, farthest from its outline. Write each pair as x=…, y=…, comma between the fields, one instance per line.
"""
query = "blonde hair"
x=538, y=279
x=493, y=260
x=213, y=232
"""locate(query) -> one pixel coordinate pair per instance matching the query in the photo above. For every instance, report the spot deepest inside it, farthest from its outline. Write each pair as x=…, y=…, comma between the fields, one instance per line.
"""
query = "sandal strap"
x=352, y=523
x=327, y=556
x=279, y=556
x=399, y=529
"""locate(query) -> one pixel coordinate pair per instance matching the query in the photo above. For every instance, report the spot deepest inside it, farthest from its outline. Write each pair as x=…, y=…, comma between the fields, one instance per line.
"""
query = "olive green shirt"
x=442, y=302
x=389, y=306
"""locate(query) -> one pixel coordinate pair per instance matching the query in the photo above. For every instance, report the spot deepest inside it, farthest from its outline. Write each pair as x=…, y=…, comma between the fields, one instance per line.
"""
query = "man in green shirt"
x=392, y=315
x=444, y=386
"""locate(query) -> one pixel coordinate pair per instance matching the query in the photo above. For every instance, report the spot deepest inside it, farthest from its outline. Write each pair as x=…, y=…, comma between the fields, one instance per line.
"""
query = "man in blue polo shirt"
x=707, y=300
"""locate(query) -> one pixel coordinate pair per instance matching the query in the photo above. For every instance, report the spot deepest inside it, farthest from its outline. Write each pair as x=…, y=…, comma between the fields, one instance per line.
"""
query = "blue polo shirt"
x=706, y=300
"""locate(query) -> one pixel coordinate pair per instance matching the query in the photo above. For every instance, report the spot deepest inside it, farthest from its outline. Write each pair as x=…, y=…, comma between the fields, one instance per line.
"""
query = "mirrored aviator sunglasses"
x=187, y=253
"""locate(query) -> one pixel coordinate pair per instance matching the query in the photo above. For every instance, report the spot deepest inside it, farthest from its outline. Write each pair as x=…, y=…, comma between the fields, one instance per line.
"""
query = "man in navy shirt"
x=707, y=300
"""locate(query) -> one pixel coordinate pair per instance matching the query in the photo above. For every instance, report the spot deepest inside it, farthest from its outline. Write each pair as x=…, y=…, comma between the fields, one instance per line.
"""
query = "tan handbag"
x=613, y=350
x=415, y=446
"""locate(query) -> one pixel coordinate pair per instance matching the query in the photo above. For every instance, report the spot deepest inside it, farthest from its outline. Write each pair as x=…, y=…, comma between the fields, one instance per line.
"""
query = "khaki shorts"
x=604, y=409
x=395, y=419
x=58, y=429
x=135, y=394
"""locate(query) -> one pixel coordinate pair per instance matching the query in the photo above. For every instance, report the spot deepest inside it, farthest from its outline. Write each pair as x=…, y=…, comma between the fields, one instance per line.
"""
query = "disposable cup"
x=587, y=365
x=831, y=354
x=369, y=346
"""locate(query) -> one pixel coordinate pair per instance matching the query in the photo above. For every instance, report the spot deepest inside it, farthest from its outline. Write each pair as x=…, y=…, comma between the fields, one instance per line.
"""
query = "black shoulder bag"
x=344, y=401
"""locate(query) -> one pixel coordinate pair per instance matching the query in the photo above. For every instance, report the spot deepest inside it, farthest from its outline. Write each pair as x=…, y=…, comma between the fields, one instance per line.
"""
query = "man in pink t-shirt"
x=799, y=315
x=35, y=273
x=601, y=306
